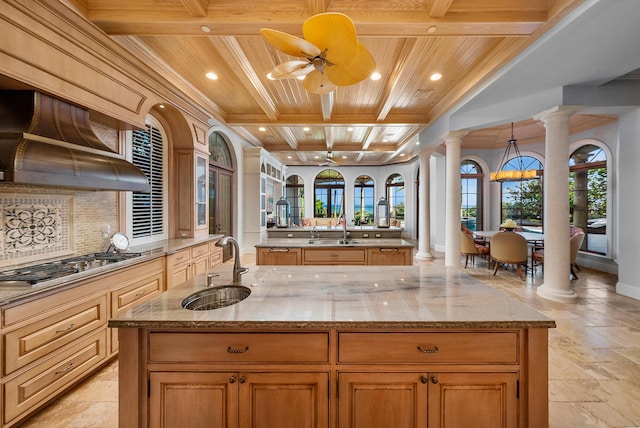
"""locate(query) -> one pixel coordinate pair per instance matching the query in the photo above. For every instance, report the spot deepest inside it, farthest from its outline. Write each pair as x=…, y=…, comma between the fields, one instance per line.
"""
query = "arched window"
x=395, y=196
x=219, y=151
x=220, y=188
x=294, y=192
x=471, y=178
x=363, y=200
x=328, y=189
x=588, y=196
x=522, y=200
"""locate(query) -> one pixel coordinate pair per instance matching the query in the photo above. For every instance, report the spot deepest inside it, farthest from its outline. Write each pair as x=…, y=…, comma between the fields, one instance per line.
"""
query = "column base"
x=562, y=296
x=423, y=256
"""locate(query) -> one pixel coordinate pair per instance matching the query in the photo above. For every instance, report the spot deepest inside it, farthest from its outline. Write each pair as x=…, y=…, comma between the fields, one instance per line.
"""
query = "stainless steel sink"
x=332, y=241
x=215, y=297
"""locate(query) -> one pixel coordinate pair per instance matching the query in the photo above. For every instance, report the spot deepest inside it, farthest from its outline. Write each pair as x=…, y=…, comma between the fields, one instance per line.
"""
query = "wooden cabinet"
x=279, y=256
x=334, y=256
x=248, y=392
x=191, y=262
x=436, y=378
x=238, y=399
x=52, y=341
x=387, y=256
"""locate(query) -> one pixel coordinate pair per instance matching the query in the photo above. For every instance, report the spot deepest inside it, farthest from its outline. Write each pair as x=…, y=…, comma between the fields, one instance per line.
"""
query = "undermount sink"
x=215, y=297
x=331, y=241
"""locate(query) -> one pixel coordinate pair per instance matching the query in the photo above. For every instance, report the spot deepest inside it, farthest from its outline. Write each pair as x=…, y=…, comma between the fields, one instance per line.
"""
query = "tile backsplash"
x=38, y=224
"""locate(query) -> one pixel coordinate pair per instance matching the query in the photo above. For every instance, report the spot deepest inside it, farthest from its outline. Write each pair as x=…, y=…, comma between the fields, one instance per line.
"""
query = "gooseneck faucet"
x=344, y=227
x=237, y=269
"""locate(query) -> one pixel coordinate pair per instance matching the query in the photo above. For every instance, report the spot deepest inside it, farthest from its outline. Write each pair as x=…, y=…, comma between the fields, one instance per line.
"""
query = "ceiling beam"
x=131, y=21
x=327, y=106
x=289, y=137
x=317, y=6
x=238, y=61
x=401, y=68
x=196, y=8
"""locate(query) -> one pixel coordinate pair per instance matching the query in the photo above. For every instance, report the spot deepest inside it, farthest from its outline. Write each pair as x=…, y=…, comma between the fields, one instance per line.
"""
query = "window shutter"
x=147, y=207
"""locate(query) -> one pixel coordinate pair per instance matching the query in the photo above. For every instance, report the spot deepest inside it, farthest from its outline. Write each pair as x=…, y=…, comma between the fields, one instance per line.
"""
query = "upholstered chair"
x=470, y=249
x=509, y=248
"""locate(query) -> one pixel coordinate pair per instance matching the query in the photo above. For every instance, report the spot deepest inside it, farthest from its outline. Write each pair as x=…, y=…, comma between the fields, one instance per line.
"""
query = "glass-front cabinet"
x=201, y=191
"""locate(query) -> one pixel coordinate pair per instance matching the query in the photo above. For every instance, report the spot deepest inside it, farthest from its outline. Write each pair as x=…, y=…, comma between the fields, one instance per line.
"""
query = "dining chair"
x=509, y=248
x=576, y=236
x=470, y=249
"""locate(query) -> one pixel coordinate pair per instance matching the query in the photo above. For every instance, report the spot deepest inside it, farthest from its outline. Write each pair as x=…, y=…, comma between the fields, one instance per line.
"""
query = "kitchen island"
x=346, y=347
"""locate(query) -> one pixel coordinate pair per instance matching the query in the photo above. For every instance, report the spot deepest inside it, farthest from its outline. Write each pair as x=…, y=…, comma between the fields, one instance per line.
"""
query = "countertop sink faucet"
x=344, y=228
x=237, y=269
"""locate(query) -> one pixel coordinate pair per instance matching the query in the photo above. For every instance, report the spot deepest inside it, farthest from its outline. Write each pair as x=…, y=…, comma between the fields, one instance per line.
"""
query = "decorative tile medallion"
x=34, y=226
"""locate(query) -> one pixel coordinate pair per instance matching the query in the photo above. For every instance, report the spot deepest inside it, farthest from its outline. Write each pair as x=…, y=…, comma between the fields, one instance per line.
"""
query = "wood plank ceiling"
x=372, y=122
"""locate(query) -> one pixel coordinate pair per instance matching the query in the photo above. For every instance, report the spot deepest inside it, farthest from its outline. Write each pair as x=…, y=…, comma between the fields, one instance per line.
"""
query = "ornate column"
x=556, y=284
x=424, y=220
x=452, y=142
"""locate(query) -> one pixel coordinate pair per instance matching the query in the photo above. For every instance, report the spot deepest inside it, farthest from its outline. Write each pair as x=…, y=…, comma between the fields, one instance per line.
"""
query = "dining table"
x=531, y=237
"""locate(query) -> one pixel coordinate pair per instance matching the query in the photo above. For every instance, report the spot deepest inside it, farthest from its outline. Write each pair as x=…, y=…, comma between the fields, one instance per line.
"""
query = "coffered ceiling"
x=372, y=122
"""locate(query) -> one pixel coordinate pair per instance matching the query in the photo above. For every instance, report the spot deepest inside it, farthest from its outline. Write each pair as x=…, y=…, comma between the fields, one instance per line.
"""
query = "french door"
x=220, y=204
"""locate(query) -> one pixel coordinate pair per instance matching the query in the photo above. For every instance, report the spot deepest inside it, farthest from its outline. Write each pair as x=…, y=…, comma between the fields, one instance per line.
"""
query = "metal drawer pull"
x=278, y=250
x=394, y=250
x=66, y=369
x=142, y=293
x=71, y=326
x=434, y=380
x=423, y=379
x=237, y=350
x=429, y=349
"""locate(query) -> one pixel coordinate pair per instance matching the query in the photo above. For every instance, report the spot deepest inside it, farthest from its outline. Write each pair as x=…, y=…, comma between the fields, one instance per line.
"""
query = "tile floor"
x=594, y=370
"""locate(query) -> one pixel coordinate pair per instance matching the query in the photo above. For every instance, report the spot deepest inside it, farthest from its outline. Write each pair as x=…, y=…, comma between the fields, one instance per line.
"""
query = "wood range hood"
x=46, y=141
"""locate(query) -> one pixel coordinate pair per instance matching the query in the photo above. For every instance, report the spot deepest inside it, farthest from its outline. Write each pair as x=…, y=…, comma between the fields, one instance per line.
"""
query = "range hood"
x=49, y=142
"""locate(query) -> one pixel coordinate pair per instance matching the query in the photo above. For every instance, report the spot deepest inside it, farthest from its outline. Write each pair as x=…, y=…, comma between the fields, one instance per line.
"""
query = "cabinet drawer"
x=182, y=256
x=454, y=348
x=239, y=347
x=140, y=291
x=199, y=250
x=27, y=344
x=335, y=256
x=45, y=380
x=215, y=257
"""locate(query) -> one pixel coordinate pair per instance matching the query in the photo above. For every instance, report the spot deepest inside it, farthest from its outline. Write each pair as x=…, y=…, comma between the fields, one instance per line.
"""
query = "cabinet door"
x=200, y=265
x=183, y=399
x=279, y=256
x=284, y=400
x=388, y=256
x=479, y=400
x=382, y=400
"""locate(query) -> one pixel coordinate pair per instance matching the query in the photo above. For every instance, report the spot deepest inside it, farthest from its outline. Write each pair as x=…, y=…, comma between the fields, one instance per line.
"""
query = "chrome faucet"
x=344, y=227
x=237, y=269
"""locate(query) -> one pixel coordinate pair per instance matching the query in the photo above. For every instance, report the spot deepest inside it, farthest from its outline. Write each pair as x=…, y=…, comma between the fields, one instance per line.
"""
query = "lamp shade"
x=282, y=213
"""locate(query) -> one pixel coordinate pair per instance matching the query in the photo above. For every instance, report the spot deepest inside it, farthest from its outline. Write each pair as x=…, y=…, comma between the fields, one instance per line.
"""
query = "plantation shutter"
x=148, y=207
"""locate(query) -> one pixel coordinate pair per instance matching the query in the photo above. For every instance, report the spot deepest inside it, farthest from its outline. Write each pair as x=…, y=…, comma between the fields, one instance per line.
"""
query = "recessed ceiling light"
x=316, y=157
x=401, y=154
x=349, y=129
x=289, y=157
x=211, y=75
x=436, y=76
x=306, y=129
x=262, y=129
x=344, y=157
x=205, y=29
x=301, y=77
x=161, y=106
x=270, y=77
x=417, y=143
x=375, y=76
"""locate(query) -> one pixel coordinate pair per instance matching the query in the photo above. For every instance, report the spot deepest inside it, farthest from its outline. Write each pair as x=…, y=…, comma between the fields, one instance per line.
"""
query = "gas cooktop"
x=35, y=274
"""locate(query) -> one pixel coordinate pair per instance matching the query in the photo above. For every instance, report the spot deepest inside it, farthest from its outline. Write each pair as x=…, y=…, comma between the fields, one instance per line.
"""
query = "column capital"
x=455, y=136
x=557, y=112
x=425, y=152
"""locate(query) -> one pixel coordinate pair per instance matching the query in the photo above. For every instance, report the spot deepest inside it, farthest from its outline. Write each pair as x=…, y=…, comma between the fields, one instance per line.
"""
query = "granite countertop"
x=9, y=294
x=306, y=297
x=331, y=242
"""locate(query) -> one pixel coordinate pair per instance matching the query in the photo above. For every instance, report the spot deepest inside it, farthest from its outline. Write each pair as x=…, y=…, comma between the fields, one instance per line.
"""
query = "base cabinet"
x=372, y=256
x=434, y=400
x=239, y=399
x=279, y=256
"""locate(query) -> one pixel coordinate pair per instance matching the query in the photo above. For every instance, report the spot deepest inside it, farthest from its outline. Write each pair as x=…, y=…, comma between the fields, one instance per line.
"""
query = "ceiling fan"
x=329, y=160
x=333, y=55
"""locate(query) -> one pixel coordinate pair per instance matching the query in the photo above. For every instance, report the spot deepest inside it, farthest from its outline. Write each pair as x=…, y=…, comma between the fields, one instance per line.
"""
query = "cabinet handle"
x=232, y=379
x=242, y=379
x=142, y=293
x=423, y=379
x=71, y=326
x=428, y=349
x=278, y=250
x=66, y=369
x=434, y=380
x=392, y=250
x=237, y=350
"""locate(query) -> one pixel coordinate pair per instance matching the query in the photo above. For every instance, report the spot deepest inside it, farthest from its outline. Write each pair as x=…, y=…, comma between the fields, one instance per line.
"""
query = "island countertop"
x=306, y=297
x=332, y=242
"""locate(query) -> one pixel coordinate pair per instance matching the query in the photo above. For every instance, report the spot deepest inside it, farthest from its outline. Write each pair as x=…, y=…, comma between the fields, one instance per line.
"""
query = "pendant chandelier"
x=517, y=174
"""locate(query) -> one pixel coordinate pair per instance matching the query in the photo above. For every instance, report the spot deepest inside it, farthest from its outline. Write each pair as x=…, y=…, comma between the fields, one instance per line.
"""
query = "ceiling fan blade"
x=291, y=45
x=335, y=33
x=361, y=69
x=318, y=83
x=291, y=69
